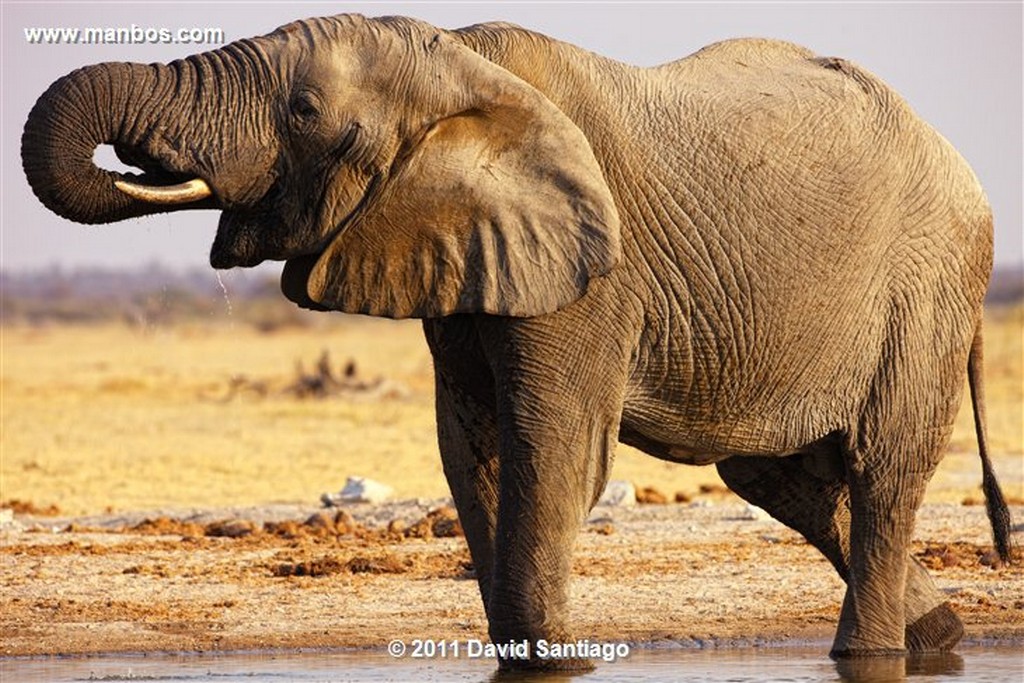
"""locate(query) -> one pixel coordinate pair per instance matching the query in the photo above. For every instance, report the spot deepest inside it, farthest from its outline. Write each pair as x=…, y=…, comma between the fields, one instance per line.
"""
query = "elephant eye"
x=305, y=107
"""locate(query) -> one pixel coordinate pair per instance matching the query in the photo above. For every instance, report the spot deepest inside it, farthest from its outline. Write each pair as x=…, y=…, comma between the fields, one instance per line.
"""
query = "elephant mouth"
x=248, y=235
x=297, y=269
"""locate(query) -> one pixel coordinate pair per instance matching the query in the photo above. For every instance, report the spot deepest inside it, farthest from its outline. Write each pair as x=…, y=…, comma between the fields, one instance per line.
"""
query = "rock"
x=753, y=513
x=421, y=529
x=320, y=520
x=649, y=495
x=991, y=559
x=7, y=521
x=445, y=522
x=358, y=490
x=345, y=523
x=288, y=528
x=323, y=566
x=713, y=489
x=618, y=493
x=682, y=497
x=442, y=522
x=949, y=559
x=230, y=528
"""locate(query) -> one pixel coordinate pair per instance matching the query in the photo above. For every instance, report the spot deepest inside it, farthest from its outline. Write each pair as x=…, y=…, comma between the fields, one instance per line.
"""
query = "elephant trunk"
x=89, y=107
x=200, y=128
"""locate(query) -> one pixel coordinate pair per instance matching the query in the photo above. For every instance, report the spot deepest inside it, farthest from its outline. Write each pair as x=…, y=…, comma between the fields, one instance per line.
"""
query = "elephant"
x=754, y=257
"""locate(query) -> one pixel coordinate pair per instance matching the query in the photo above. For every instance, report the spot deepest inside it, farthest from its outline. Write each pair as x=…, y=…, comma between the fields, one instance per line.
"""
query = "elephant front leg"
x=467, y=437
x=549, y=481
x=558, y=421
x=467, y=434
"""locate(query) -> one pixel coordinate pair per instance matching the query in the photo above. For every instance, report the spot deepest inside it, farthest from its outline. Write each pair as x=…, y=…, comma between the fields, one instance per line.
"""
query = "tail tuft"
x=998, y=512
x=995, y=503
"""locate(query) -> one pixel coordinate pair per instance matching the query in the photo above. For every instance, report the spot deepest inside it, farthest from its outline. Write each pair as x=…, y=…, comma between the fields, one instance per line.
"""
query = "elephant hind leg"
x=816, y=506
x=812, y=498
x=887, y=479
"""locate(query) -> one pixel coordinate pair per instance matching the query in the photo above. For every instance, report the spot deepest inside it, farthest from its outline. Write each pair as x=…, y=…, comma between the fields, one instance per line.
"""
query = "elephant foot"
x=572, y=665
x=858, y=653
x=540, y=655
x=862, y=653
x=937, y=631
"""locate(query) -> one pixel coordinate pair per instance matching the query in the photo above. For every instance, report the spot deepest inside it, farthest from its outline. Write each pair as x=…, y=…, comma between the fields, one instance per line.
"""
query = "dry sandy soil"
x=266, y=577
x=164, y=485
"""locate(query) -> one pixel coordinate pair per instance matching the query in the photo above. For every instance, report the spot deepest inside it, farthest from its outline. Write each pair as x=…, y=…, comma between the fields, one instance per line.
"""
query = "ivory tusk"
x=182, y=193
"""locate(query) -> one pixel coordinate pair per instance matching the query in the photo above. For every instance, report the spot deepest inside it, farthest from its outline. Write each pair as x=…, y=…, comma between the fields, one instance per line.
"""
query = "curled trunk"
x=201, y=129
x=89, y=107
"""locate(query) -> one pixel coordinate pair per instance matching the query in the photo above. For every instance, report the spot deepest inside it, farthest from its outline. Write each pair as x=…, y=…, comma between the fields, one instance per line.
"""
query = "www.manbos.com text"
x=123, y=35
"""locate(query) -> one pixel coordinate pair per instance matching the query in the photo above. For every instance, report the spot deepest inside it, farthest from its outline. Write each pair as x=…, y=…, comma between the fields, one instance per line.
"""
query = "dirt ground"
x=160, y=490
x=708, y=572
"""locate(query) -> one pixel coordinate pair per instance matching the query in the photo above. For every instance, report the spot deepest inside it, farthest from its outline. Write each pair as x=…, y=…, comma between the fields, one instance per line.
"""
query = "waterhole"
x=977, y=663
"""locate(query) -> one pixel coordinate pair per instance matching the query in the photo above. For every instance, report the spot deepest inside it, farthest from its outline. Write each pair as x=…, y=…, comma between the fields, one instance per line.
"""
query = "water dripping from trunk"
x=227, y=296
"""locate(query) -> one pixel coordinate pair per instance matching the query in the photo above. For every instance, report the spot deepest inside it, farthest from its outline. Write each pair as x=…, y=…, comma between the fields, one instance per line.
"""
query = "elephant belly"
x=673, y=449
x=675, y=436
x=658, y=448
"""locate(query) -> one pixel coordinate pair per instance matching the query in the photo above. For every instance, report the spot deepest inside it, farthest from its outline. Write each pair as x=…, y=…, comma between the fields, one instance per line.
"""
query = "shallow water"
x=784, y=664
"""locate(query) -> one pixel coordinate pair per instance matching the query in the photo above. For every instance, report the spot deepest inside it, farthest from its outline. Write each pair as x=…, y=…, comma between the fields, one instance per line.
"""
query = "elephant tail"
x=995, y=503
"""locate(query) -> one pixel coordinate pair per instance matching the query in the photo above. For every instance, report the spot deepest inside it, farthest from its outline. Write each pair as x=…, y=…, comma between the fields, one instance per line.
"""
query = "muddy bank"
x=710, y=571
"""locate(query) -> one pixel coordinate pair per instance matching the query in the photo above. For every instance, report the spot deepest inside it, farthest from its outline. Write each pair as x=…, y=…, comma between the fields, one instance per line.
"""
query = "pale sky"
x=958, y=64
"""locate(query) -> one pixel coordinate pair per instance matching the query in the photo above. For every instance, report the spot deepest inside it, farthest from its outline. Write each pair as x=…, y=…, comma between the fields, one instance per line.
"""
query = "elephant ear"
x=498, y=206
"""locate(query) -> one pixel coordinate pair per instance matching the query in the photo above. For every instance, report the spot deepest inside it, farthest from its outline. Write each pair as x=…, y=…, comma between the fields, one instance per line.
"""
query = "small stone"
x=991, y=559
x=397, y=527
x=949, y=559
x=288, y=528
x=320, y=520
x=651, y=496
x=447, y=528
x=443, y=512
x=421, y=529
x=445, y=522
x=618, y=493
x=344, y=522
x=442, y=522
x=358, y=490
x=754, y=514
x=682, y=497
x=231, y=528
x=715, y=489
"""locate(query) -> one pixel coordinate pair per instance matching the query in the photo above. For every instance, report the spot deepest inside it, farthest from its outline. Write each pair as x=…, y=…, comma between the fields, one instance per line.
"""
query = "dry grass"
x=111, y=417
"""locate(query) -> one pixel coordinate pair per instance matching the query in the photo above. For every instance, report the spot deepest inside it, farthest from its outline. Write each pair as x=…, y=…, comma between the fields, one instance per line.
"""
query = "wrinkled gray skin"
x=753, y=257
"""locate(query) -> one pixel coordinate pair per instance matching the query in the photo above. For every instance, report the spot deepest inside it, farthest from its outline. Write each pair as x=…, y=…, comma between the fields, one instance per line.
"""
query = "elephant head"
x=397, y=171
